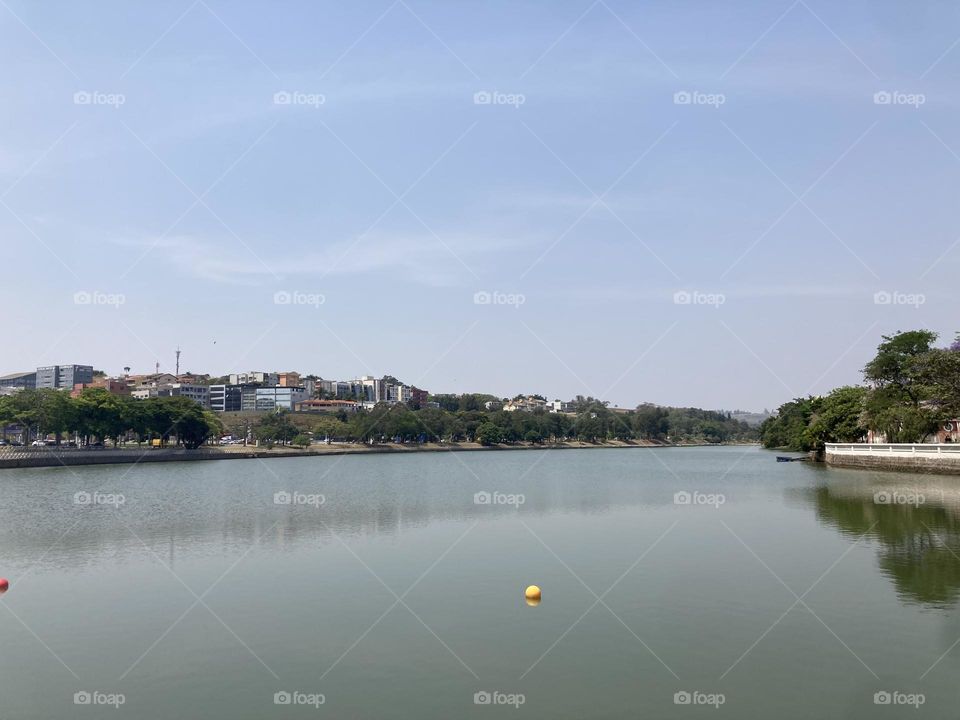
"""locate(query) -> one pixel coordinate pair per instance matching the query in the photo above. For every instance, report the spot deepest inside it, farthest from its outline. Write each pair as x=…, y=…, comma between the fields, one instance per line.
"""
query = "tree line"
x=592, y=422
x=97, y=415
x=910, y=389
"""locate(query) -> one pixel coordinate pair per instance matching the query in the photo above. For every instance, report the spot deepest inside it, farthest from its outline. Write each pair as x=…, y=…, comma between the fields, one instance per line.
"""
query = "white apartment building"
x=248, y=378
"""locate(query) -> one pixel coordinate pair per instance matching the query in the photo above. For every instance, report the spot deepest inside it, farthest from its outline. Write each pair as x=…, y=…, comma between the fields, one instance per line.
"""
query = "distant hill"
x=751, y=418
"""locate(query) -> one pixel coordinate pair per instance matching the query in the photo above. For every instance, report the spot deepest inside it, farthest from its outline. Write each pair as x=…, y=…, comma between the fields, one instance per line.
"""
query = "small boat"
x=784, y=458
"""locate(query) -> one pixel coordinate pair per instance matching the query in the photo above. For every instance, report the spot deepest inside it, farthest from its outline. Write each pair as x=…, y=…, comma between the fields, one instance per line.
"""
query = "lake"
x=677, y=582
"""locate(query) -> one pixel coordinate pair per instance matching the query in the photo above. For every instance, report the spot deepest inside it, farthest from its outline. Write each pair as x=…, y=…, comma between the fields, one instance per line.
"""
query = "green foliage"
x=489, y=434
x=912, y=388
x=836, y=418
x=276, y=428
x=302, y=440
x=787, y=428
x=99, y=415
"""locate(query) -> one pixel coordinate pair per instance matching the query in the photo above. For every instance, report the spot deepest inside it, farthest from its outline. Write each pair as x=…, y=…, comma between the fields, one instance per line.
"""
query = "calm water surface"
x=799, y=596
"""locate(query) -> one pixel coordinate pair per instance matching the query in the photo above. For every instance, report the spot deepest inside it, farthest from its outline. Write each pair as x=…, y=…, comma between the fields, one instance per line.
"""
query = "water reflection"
x=213, y=506
x=916, y=522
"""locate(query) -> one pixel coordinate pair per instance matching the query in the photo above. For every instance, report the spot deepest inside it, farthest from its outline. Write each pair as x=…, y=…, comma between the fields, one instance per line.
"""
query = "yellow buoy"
x=532, y=595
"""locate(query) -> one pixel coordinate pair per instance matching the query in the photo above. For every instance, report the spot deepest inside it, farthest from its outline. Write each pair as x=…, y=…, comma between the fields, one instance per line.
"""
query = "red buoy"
x=4, y=585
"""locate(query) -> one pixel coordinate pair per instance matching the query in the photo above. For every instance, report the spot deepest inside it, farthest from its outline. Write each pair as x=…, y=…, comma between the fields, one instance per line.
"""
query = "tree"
x=836, y=418
x=489, y=434
x=787, y=428
x=900, y=385
x=939, y=371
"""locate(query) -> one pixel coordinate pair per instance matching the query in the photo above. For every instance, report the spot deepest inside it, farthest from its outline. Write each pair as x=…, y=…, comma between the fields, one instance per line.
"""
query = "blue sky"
x=178, y=196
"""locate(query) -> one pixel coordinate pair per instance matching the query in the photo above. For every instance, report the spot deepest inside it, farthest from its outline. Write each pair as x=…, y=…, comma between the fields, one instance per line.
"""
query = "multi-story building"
x=374, y=390
x=289, y=379
x=233, y=398
x=326, y=406
x=63, y=376
x=340, y=389
x=248, y=398
x=279, y=398
x=19, y=381
x=200, y=394
x=526, y=404
x=153, y=380
x=249, y=378
x=114, y=386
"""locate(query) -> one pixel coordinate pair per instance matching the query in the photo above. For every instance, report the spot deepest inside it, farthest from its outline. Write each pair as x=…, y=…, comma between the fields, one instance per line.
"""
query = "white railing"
x=931, y=450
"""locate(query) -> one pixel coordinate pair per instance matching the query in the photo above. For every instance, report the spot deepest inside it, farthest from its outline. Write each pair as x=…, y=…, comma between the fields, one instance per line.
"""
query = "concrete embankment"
x=898, y=457
x=69, y=457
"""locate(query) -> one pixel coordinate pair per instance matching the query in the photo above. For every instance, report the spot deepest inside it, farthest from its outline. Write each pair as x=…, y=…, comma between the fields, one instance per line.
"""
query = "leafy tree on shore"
x=911, y=388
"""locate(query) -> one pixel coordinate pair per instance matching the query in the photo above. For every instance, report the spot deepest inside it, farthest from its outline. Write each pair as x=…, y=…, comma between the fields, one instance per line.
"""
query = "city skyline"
x=715, y=209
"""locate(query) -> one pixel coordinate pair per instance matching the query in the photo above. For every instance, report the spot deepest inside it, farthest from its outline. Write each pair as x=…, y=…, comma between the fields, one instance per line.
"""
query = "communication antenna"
x=178, y=361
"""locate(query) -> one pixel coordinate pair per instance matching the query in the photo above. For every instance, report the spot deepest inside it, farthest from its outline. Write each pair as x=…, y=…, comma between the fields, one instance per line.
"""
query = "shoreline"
x=50, y=457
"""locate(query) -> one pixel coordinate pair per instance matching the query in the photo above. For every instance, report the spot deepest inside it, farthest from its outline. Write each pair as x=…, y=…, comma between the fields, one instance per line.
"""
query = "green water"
x=303, y=598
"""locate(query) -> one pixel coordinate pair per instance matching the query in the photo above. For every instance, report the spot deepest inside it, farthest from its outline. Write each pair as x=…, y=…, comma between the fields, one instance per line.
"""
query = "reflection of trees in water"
x=919, y=544
x=206, y=522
